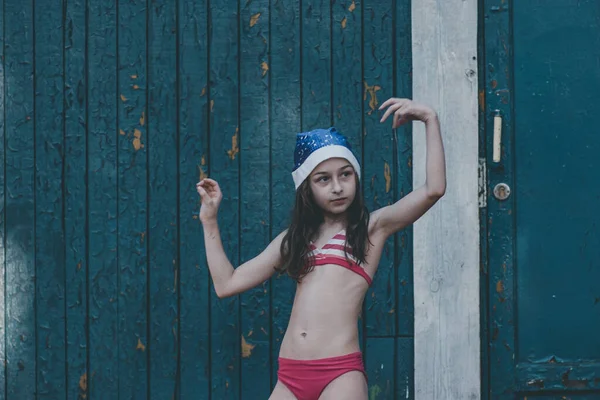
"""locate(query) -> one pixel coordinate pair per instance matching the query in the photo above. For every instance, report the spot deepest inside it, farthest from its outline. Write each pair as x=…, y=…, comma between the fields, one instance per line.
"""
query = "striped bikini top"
x=333, y=253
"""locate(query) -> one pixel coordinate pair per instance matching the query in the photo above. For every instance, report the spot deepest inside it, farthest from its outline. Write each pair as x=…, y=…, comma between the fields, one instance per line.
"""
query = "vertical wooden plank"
x=379, y=156
x=379, y=365
x=501, y=282
x=403, y=73
x=346, y=28
x=50, y=237
x=76, y=199
x=193, y=166
x=224, y=161
x=484, y=294
x=132, y=206
x=347, y=70
x=405, y=361
x=255, y=221
x=2, y=213
x=316, y=64
x=163, y=196
x=285, y=123
x=102, y=199
x=447, y=336
x=20, y=204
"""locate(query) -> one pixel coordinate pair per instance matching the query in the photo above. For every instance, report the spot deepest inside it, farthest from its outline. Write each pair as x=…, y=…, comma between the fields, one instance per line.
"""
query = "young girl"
x=331, y=249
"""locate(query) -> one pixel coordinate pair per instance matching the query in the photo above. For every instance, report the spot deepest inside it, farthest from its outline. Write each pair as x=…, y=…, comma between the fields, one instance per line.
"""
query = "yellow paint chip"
x=203, y=91
x=83, y=382
x=234, y=145
x=500, y=287
x=371, y=90
x=254, y=19
x=137, y=140
x=203, y=160
x=122, y=132
x=143, y=118
x=388, y=177
x=212, y=105
x=123, y=98
x=265, y=68
x=136, y=87
x=140, y=345
x=201, y=173
x=133, y=76
x=344, y=21
x=246, y=348
x=352, y=6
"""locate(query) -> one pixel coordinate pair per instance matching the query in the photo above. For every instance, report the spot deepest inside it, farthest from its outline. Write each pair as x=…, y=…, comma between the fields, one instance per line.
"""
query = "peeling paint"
x=254, y=19
x=388, y=177
x=246, y=348
x=352, y=6
x=133, y=76
x=500, y=287
x=123, y=98
x=201, y=173
x=83, y=382
x=137, y=140
x=121, y=132
x=212, y=105
x=482, y=100
x=143, y=118
x=135, y=87
x=203, y=91
x=344, y=21
x=265, y=68
x=140, y=345
x=373, y=103
x=374, y=392
x=234, y=145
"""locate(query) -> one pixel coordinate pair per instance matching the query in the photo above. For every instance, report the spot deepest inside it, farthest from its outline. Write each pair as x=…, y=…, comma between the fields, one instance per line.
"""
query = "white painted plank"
x=446, y=240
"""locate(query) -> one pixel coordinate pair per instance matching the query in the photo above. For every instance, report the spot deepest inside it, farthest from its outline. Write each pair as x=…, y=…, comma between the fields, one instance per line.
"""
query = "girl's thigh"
x=281, y=392
x=350, y=386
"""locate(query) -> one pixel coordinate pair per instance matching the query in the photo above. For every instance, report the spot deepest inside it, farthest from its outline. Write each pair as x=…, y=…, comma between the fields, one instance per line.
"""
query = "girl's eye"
x=322, y=179
x=347, y=174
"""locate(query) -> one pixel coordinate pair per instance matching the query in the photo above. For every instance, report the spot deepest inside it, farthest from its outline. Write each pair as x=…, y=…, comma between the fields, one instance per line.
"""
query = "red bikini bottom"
x=307, y=379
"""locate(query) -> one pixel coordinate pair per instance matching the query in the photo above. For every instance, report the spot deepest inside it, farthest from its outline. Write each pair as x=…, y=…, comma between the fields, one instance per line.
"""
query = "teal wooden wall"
x=111, y=114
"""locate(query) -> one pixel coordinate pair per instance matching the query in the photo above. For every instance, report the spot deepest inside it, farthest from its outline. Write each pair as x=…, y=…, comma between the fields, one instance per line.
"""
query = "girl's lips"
x=338, y=201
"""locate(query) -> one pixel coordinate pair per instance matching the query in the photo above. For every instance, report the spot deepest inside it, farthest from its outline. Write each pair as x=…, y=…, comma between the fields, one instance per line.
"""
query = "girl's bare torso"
x=327, y=305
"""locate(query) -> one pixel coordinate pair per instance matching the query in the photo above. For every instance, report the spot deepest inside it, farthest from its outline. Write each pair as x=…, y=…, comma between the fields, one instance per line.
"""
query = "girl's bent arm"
x=389, y=220
x=229, y=281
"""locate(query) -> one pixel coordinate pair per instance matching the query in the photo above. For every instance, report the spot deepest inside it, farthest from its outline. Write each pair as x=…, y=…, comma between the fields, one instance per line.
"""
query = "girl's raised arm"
x=228, y=280
x=389, y=220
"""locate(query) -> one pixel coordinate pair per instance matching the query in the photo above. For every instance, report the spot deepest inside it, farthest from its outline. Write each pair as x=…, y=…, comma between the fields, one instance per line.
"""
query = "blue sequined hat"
x=316, y=146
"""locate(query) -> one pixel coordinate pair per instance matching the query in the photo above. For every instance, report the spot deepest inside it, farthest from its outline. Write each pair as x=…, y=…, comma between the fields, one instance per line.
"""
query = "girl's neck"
x=337, y=220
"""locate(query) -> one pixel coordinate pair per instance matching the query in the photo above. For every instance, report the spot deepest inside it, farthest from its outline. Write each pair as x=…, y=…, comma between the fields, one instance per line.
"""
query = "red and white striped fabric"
x=333, y=253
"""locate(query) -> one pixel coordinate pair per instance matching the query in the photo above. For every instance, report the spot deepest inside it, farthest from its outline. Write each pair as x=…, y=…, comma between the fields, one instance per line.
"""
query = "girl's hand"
x=405, y=110
x=210, y=194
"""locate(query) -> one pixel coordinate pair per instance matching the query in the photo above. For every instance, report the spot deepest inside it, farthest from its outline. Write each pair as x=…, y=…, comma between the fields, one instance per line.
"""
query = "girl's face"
x=333, y=184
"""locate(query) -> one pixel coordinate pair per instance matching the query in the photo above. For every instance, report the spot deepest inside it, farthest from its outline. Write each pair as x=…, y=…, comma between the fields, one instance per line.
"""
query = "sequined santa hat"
x=316, y=146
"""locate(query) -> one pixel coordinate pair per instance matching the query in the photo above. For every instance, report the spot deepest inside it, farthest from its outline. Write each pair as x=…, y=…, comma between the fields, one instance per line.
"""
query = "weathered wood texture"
x=112, y=112
x=446, y=240
x=541, y=73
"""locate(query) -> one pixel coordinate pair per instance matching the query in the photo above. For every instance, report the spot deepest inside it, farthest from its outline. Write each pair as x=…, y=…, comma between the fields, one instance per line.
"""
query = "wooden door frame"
x=497, y=281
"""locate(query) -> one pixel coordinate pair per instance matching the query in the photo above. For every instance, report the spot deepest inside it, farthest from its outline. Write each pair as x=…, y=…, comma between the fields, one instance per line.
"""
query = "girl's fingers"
x=391, y=101
x=390, y=110
x=202, y=192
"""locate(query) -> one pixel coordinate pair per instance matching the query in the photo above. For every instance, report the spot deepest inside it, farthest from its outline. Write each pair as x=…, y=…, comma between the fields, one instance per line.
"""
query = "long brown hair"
x=306, y=219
